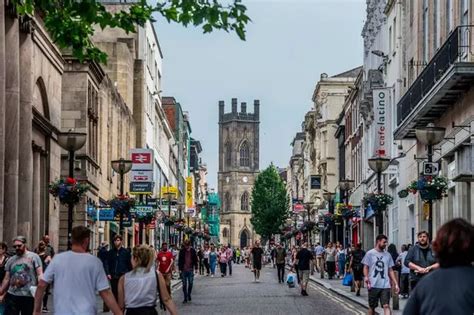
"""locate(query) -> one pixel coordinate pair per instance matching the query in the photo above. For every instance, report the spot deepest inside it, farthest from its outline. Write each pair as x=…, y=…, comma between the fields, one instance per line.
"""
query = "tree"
x=71, y=23
x=270, y=203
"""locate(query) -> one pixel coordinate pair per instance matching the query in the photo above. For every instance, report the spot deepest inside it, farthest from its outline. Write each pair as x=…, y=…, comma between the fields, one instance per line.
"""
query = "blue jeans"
x=188, y=278
x=213, y=267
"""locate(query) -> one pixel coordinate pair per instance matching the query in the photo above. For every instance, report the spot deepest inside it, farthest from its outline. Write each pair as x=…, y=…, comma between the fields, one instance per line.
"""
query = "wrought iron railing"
x=456, y=49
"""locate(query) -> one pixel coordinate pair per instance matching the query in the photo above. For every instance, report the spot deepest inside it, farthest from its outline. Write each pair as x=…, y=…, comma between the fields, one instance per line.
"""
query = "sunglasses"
x=18, y=246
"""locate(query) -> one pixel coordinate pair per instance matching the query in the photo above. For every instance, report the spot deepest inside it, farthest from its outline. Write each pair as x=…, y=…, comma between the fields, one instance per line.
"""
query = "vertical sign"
x=381, y=122
x=189, y=192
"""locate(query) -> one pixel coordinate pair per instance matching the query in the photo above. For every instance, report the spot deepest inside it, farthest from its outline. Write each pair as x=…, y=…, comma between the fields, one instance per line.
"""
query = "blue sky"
x=289, y=44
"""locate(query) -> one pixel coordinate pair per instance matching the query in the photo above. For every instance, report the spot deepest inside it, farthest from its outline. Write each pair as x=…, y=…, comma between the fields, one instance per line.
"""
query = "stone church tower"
x=238, y=168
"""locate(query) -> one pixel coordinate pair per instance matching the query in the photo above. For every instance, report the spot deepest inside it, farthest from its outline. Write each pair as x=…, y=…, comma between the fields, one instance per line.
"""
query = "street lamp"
x=346, y=185
x=430, y=136
x=379, y=165
x=329, y=196
x=71, y=142
x=122, y=167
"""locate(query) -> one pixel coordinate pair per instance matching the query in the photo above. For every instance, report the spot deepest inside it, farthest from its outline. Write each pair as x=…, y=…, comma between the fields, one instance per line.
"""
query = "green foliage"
x=71, y=22
x=270, y=203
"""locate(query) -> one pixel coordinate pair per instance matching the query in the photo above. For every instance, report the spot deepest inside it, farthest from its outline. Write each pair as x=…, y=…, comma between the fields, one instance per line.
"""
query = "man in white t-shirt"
x=77, y=276
x=377, y=273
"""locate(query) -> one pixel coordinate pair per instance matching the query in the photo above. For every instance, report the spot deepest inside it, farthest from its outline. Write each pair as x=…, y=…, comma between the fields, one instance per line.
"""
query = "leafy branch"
x=71, y=23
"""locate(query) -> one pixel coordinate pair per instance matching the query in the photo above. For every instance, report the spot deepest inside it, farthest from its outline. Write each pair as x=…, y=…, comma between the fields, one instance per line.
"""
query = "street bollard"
x=396, y=301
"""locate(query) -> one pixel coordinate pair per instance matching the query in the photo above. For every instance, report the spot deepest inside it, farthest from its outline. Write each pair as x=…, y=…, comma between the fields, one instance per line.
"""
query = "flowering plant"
x=429, y=187
x=122, y=204
x=307, y=226
x=345, y=210
x=378, y=202
x=68, y=190
x=328, y=218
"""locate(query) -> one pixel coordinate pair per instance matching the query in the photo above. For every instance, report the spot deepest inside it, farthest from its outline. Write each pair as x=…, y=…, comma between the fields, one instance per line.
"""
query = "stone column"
x=12, y=124
x=25, y=178
x=2, y=109
x=36, y=202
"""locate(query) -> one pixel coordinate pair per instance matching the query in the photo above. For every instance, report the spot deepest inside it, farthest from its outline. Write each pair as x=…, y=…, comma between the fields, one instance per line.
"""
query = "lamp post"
x=122, y=167
x=329, y=196
x=71, y=142
x=346, y=185
x=379, y=165
x=430, y=136
x=308, y=206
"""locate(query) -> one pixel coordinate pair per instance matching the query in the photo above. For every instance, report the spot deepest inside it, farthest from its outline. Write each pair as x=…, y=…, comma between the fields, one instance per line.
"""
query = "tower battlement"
x=241, y=115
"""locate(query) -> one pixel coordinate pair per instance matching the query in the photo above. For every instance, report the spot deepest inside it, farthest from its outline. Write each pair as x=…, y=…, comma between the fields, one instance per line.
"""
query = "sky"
x=289, y=44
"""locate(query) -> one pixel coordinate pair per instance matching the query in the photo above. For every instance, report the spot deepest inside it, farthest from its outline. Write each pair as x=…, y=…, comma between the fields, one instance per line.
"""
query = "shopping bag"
x=347, y=280
x=290, y=280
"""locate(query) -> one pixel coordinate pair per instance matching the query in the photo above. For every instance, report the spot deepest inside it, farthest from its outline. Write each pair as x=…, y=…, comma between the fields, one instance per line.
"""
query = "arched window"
x=225, y=232
x=228, y=154
x=244, y=202
x=244, y=154
x=227, y=202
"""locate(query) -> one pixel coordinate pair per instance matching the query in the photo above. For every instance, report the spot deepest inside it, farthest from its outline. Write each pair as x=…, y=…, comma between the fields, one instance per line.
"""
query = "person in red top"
x=165, y=264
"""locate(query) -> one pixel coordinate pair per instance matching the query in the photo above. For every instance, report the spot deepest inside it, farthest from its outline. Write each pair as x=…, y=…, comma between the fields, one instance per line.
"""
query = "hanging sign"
x=381, y=122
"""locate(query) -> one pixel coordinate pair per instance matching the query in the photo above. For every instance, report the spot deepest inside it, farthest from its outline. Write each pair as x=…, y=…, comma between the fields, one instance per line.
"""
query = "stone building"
x=238, y=168
x=437, y=37
x=92, y=104
x=31, y=67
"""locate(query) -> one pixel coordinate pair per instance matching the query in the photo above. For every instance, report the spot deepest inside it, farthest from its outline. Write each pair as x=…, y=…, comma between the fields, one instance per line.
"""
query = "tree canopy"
x=270, y=203
x=71, y=23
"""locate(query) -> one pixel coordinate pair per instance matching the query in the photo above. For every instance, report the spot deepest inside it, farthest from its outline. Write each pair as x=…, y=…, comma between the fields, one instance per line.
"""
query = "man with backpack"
x=357, y=267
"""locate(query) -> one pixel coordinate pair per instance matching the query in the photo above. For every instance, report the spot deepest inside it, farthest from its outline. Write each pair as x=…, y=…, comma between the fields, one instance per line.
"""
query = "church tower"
x=238, y=168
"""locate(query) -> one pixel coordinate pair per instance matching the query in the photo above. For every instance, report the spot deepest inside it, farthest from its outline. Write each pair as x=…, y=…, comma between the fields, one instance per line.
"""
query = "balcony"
x=449, y=74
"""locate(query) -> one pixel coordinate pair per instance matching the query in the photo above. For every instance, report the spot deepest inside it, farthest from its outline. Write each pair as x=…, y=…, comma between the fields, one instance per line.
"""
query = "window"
x=227, y=202
x=411, y=4
x=93, y=118
x=464, y=30
x=390, y=46
x=244, y=202
x=437, y=26
x=228, y=154
x=244, y=154
x=225, y=232
x=394, y=46
x=425, y=31
x=449, y=16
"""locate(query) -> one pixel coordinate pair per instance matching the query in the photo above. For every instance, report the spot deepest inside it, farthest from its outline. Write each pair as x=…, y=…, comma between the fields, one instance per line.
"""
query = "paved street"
x=240, y=295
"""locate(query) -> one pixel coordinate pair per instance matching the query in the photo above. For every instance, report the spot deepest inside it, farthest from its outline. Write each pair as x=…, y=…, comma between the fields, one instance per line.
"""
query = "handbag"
x=347, y=280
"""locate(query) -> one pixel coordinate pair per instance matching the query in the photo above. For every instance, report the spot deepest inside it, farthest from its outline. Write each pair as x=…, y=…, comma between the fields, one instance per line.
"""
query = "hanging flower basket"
x=429, y=187
x=179, y=226
x=328, y=218
x=188, y=231
x=68, y=190
x=379, y=202
x=169, y=221
x=307, y=226
x=122, y=204
x=403, y=193
x=206, y=237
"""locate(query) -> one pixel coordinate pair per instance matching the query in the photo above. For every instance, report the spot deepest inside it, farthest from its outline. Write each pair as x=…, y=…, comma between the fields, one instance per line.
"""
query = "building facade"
x=238, y=167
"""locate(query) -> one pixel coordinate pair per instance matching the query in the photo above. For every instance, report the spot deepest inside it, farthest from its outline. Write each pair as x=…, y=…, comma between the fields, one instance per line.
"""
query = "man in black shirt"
x=118, y=263
x=420, y=259
x=257, y=257
x=303, y=259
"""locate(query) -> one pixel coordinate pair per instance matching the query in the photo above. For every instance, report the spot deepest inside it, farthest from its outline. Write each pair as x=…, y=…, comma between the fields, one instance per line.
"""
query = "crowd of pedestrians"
x=436, y=279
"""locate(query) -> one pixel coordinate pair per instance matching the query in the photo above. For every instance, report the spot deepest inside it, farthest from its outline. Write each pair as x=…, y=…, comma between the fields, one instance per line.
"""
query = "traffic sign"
x=142, y=159
x=142, y=211
x=141, y=176
x=141, y=188
x=298, y=207
x=430, y=168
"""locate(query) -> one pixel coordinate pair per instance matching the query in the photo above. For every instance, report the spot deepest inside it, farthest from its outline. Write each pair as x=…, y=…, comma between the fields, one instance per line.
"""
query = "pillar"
x=25, y=152
x=12, y=124
x=36, y=201
x=2, y=109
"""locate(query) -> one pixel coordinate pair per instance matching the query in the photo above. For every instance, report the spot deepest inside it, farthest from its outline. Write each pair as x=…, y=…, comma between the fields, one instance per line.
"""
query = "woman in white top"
x=138, y=289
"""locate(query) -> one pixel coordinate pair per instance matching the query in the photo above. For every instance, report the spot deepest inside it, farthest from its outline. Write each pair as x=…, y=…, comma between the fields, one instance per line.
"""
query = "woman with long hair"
x=138, y=289
x=213, y=260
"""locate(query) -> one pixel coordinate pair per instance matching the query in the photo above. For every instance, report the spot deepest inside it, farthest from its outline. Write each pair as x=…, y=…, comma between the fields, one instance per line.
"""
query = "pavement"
x=239, y=294
x=335, y=285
